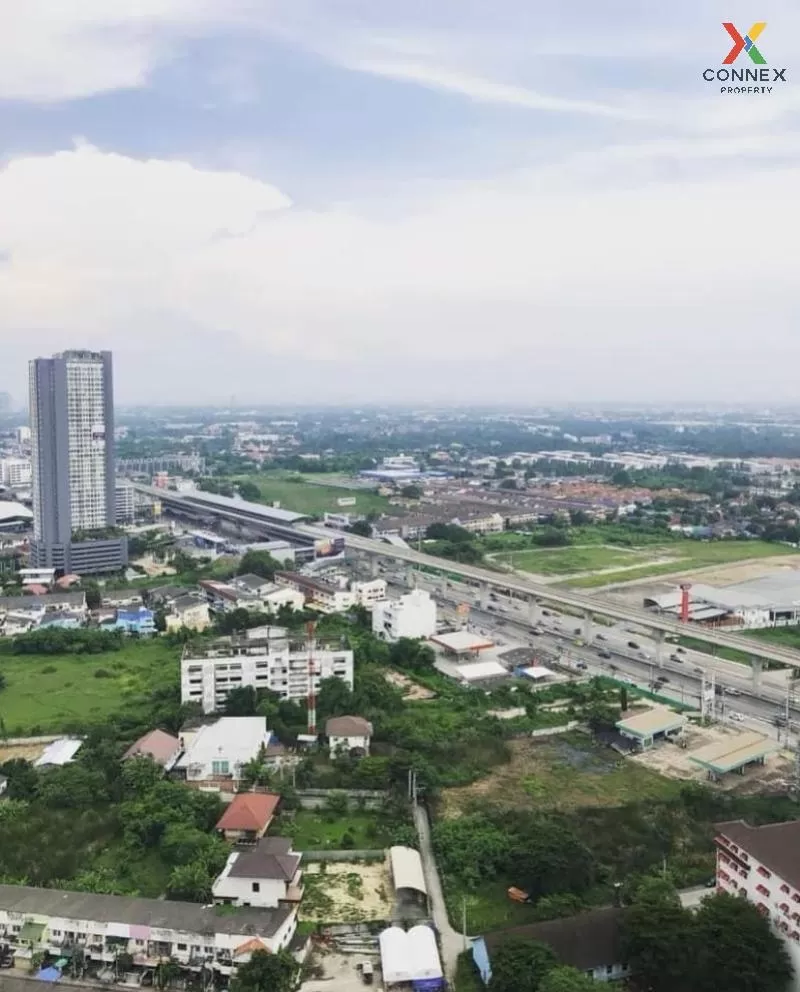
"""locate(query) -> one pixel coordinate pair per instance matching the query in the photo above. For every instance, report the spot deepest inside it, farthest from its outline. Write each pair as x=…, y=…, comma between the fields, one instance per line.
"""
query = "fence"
x=377, y=855
x=25, y=741
x=563, y=729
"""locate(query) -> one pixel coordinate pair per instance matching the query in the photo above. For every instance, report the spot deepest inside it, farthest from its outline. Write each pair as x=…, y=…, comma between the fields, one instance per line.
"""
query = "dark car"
x=546, y=613
x=576, y=630
x=662, y=679
x=634, y=645
x=604, y=653
x=681, y=650
x=600, y=637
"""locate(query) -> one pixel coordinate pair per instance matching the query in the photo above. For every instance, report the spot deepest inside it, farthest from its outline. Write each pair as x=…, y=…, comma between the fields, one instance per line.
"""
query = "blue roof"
x=135, y=616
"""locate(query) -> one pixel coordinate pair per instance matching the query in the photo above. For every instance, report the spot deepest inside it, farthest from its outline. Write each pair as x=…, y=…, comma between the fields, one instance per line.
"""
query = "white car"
x=736, y=717
x=733, y=692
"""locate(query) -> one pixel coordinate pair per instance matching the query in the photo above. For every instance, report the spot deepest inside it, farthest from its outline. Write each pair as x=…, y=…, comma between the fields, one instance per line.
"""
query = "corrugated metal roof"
x=727, y=755
x=658, y=720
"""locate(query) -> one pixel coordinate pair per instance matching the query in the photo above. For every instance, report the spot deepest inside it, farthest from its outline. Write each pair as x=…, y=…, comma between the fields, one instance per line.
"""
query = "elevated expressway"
x=538, y=595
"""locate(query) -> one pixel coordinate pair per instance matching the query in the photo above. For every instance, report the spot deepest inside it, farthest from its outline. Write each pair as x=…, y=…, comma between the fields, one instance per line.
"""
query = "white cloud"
x=102, y=246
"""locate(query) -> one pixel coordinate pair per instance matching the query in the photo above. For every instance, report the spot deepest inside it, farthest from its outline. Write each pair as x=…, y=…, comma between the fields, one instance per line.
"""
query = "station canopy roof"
x=658, y=720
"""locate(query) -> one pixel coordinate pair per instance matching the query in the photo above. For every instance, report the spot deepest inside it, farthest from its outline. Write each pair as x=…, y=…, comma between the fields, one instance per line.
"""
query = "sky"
x=455, y=201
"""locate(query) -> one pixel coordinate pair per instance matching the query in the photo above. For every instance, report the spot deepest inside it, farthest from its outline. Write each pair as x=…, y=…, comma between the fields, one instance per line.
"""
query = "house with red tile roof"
x=248, y=817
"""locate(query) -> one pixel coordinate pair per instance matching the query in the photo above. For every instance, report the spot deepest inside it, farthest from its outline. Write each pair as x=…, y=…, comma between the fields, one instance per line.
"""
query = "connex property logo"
x=745, y=43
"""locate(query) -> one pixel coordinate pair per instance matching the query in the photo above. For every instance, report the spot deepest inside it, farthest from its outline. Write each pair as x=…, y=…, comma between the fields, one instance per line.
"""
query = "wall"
x=271, y=890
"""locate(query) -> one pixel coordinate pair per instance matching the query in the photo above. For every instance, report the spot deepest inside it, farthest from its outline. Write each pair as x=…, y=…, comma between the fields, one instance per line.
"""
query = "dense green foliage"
x=53, y=641
x=519, y=965
x=266, y=972
x=726, y=944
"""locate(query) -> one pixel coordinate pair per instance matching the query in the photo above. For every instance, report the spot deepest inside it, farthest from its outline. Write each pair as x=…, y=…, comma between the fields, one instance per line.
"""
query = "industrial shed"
x=411, y=958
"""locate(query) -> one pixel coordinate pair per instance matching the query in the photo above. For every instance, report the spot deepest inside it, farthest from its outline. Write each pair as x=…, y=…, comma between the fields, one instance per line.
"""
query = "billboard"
x=328, y=547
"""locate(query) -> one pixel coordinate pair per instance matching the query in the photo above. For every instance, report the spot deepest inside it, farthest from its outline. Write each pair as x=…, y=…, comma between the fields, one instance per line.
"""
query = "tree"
x=623, y=698
x=566, y=979
x=258, y=563
x=519, y=965
x=735, y=949
x=190, y=883
x=334, y=698
x=656, y=935
x=411, y=655
x=266, y=972
x=241, y=701
x=249, y=490
x=94, y=597
x=3, y=681
x=411, y=492
x=362, y=528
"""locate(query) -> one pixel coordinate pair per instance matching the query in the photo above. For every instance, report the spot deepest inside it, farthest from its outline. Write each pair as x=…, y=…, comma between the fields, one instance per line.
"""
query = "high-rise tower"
x=72, y=453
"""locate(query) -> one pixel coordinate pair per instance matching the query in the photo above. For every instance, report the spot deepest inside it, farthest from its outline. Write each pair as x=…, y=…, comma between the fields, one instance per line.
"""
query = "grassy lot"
x=564, y=561
x=688, y=555
x=562, y=774
x=487, y=909
x=50, y=692
x=788, y=637
x=295, y=492
x=318, y=830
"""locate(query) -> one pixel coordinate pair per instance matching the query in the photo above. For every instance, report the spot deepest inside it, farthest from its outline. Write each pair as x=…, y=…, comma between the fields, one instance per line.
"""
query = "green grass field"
x=686, y=556
x=565, y=561
x=294, y=492
x=50, y=692
x=315, y=830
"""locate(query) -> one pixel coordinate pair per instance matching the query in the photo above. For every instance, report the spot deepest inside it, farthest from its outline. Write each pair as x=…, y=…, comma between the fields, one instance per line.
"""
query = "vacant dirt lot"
x=346, y=892
x=411, y=690
x=560, y=773
x=673, y=762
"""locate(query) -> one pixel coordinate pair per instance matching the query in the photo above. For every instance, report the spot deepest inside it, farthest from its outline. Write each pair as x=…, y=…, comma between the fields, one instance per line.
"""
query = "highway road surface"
x=583, y=604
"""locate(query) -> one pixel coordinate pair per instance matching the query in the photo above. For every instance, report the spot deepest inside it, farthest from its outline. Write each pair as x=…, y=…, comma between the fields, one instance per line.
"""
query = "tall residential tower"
x=72, y=453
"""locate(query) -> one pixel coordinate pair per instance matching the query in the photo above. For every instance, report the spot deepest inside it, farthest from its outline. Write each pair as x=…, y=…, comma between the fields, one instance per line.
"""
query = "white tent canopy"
x=407, y=869
x=409, y=957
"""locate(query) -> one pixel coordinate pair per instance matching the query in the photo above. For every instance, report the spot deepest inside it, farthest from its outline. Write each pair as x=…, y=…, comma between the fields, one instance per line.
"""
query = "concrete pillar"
x=533, y=611
x=484, y=595
x=411, y=578
x=588, y=626
x=757, y=666
x=660, y=636
x=373, y=566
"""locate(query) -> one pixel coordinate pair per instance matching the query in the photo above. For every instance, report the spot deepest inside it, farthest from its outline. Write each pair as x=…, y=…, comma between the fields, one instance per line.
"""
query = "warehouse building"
x=773, y=600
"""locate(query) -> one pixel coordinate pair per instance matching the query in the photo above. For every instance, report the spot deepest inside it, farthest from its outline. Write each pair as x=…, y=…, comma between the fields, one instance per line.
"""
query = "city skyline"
x=400, y=202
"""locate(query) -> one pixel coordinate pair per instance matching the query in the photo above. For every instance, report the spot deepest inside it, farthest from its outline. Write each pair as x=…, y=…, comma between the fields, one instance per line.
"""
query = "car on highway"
x=582, y=665
x=604, y=652
x=634, y=645
x=698, y=669
x=681, y=650
x=676, y=657
x=736, y=716
x=546, y=613
x=732, y=692
x=576, y=630
x=662, y=679
x=536, y=631
x=600, y=637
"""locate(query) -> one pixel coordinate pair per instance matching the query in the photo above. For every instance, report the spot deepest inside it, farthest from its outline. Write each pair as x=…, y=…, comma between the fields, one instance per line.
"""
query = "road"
x=451, y=941
x=567, y=598
x=507, y=621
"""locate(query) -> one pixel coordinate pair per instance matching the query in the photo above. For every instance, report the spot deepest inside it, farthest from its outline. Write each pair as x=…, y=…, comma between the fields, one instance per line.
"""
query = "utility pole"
x=464, y=921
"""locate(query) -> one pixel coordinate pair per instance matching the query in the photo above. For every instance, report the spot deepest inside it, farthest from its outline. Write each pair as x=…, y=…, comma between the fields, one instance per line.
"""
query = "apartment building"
x=34, y=920
x=15, y=472
x=264, y=658
x=760, y=864
x=225, y=597
x=334, y=595
x=412, y=615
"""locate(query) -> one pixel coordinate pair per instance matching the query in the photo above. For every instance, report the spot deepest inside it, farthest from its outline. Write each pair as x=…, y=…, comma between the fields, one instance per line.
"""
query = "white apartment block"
x=16, y=472
x=125, y=502
x=151, y=930
x=412, y=615
x=333, y=595
x=760, y=864
x=487, y=523
x=264, y=658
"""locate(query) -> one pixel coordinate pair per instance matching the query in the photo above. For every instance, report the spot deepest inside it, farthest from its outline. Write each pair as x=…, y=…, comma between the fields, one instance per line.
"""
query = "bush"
x=102, y=673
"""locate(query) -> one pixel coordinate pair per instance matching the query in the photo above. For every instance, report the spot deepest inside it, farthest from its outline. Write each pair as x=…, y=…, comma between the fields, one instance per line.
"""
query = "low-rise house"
x=39, y=606
x=217, y=752
x=140, y=622
x=62, y=621
x=248, y=817
x=188, y=611
x=59, y=752
x=158, y=745
x=36, y=920
x=162, y=596
x=348, y=734
x=590, y=942
x=267, y=875
x=121, y=598
x=318, y=594
x=249, y=582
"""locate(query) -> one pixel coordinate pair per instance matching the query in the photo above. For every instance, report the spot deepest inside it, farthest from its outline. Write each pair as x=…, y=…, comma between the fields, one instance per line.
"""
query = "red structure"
x=685, y=587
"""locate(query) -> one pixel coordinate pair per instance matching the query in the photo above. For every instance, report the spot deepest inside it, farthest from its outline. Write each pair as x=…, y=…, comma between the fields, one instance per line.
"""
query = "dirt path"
x=452, y=941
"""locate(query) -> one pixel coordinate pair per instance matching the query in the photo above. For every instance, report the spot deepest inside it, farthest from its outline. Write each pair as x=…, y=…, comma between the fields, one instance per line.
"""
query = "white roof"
x=537, y=672
x=11, y=510
x=461, y=641
x=235, y=739
x=407, y=869
x=60, y=752
x=481, y=670
x=409, y=957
